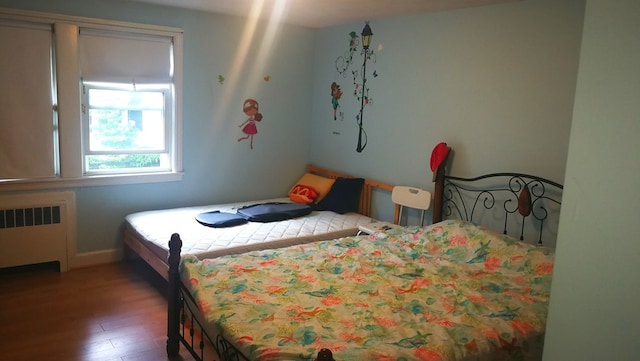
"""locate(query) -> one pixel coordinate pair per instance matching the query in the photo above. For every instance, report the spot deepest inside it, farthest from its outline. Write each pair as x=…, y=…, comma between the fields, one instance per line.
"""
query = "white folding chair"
x=411, y=197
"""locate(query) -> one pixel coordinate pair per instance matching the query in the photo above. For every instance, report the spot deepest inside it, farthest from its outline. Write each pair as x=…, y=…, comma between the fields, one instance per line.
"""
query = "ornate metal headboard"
x=521, y=205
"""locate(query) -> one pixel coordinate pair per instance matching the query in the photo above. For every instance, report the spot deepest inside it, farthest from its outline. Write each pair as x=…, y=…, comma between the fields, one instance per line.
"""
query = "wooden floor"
x=104, y=313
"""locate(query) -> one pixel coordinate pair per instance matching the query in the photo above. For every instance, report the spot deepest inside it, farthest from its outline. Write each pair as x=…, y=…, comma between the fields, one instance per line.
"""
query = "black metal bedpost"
x=173, y=312
x=325, y=355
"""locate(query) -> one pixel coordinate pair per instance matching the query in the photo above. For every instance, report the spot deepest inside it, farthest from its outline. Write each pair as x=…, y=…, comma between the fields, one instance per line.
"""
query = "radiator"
x=37, y=228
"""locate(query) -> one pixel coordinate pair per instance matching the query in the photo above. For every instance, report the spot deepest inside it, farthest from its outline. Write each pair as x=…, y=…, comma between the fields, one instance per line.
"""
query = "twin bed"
x=453, y=290
x=146, y=233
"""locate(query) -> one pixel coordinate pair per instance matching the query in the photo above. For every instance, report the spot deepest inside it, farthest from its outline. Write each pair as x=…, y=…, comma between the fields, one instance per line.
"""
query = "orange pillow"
x=320, y=185
x=303, y=194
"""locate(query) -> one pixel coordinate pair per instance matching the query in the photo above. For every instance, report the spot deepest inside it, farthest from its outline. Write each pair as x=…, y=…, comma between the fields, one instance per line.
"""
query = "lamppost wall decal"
x=366, y=41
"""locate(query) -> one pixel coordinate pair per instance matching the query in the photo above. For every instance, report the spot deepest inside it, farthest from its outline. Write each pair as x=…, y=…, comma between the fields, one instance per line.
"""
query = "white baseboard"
x=96, y=258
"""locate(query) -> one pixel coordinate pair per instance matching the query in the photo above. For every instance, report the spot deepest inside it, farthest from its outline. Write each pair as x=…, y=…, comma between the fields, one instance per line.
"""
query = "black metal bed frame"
x=190, y=326
x=523, y=198
x=183, y=325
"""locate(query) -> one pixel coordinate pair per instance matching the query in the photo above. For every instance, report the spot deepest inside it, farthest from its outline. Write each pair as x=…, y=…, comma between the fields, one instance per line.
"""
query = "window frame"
x=165, y=152
x=68, y=103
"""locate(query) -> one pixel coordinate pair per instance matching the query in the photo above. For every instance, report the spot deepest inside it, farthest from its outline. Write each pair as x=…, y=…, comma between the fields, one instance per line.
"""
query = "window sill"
x=88, y=181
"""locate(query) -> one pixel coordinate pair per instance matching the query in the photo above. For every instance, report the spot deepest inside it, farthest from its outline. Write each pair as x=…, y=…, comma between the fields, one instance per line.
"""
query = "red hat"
x=438, y=155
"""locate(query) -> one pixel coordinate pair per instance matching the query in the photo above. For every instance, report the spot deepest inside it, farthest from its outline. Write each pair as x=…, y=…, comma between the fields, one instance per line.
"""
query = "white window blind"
x=27, y=123
x=116, y=57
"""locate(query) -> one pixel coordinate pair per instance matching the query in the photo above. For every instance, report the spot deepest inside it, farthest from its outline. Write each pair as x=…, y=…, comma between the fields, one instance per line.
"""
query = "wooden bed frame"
x=135, y=247
x=529, y=194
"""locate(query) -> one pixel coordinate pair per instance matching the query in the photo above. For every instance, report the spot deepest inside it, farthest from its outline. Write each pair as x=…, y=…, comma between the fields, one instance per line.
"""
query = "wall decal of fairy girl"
x=336, y=93
x=249, y=128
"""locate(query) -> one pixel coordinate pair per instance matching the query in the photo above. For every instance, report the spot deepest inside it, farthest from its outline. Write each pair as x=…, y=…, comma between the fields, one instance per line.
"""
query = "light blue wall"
x=593, y=312
x=496, y=83
x=216, y=167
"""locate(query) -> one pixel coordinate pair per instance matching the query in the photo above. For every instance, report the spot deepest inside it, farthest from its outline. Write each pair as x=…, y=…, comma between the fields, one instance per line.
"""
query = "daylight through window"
x=126, y=129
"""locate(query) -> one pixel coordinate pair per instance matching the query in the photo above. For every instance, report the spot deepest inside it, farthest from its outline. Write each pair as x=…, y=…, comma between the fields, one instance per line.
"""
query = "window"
x=126, y=129
x=88, y=102
x=127, y=101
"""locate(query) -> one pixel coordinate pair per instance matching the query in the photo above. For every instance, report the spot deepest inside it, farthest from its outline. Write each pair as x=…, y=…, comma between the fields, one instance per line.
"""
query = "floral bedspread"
x=450, y=291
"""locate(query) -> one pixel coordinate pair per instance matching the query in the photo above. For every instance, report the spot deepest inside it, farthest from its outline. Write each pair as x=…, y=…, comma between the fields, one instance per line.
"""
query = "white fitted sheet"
x=154, y=229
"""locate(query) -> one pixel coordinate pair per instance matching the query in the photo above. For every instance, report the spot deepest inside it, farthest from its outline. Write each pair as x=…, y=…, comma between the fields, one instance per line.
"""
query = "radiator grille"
x=27, y=217
x=37, y=227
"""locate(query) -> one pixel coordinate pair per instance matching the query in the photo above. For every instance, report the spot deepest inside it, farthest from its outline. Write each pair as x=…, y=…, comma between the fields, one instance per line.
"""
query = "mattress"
x=154, y=229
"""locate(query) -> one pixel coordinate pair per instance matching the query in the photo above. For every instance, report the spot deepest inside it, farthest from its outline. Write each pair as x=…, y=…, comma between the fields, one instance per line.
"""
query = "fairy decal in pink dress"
x=250, y=108
x=336, y=93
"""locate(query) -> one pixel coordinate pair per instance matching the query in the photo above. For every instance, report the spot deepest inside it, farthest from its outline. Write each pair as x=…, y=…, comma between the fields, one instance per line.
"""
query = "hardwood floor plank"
x=114, y=312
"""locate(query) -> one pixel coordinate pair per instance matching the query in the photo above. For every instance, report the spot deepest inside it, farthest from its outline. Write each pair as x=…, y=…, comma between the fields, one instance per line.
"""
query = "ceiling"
x=323, y=13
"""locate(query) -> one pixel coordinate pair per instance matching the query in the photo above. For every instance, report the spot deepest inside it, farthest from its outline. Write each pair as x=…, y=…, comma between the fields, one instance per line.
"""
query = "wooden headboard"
x=367, y=189
x=524, y=206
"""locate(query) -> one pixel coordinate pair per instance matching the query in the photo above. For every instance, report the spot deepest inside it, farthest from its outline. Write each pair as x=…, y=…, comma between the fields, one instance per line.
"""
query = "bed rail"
x=522, y=205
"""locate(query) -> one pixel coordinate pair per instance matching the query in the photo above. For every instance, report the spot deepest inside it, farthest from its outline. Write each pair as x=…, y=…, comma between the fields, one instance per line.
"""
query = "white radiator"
x=37, y=228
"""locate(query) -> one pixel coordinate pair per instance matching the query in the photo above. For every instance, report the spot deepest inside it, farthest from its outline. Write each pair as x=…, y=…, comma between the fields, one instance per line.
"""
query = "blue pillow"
x=274, y=211
x=343, y=197
x=217, y=219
